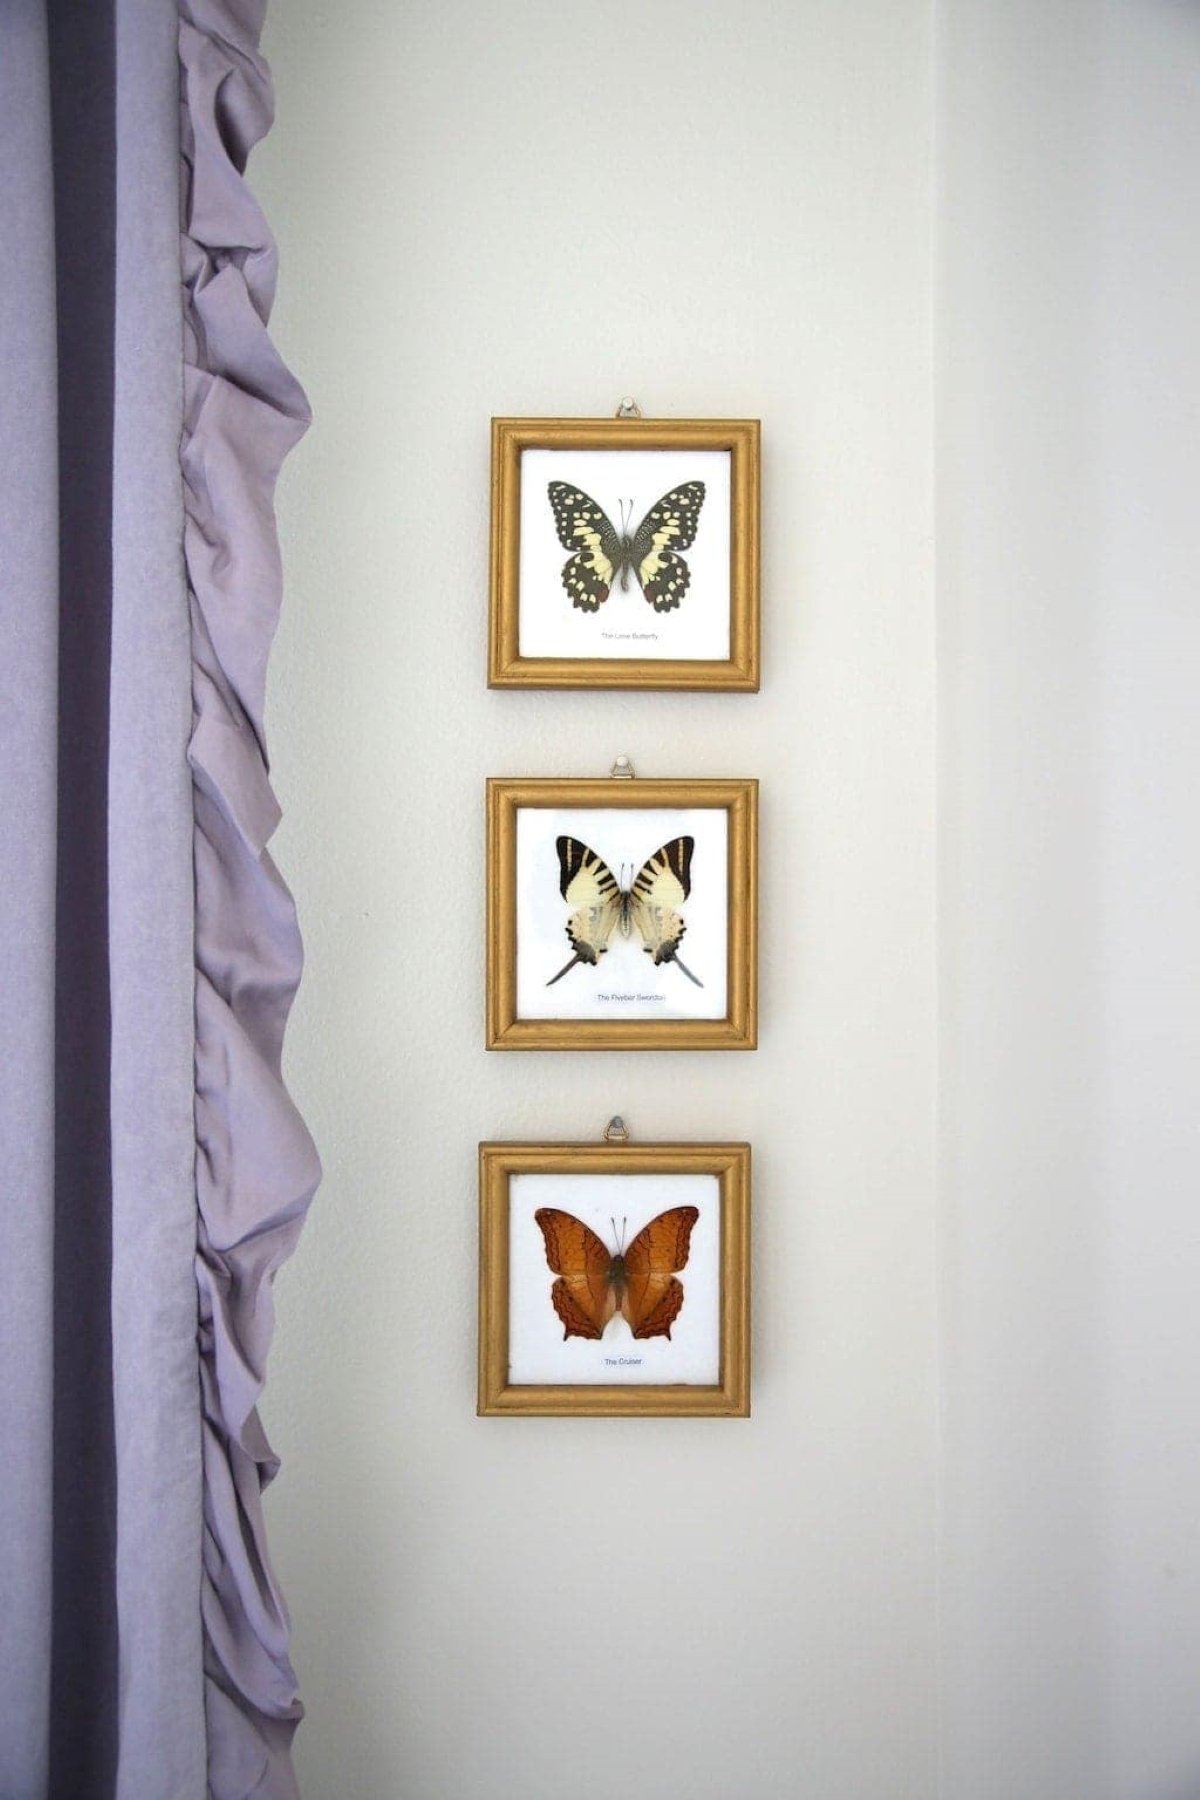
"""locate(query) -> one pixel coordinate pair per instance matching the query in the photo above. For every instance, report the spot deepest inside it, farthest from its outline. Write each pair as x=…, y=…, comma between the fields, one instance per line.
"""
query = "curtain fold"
x=154, y=1171
x=256, y=1167
x=28, y=743
x=161, y=1745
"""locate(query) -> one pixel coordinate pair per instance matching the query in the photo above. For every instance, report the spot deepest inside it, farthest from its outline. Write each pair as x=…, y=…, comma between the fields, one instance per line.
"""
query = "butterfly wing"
x=668, y=527
x=586, y=528
x=583, y=1296
x=652, y=1296
x=660, y=887
x=590, y=889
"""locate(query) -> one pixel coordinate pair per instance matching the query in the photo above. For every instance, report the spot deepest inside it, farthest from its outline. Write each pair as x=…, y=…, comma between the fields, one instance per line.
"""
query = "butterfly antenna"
x=684, y=968
x=570, y=965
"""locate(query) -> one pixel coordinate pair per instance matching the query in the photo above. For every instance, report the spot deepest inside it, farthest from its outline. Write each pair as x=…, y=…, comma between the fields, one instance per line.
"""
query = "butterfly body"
x=595, y=1284
x=602, y=553
x=600, y=905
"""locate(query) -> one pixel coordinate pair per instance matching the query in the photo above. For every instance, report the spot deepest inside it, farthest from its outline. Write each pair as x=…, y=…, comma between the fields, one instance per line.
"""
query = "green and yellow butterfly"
x=602, y=552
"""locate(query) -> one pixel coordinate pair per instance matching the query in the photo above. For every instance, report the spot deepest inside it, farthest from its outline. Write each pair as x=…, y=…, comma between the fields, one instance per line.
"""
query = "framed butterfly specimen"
x=614, y=1278
x=625, y=553
x=621, y=914
x=597, y=903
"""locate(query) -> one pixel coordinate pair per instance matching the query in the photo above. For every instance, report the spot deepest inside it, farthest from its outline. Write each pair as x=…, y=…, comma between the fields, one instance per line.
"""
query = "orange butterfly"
x=639, y=1282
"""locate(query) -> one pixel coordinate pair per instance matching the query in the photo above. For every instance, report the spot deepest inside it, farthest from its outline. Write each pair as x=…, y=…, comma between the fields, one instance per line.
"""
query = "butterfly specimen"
x=602, y=552
x=599, y=903
x=639, y=1283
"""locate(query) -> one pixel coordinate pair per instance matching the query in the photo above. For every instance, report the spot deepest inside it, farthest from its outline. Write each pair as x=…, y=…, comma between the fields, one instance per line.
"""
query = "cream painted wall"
x=536, y=209
x=1069, y=897
x=724, y=1610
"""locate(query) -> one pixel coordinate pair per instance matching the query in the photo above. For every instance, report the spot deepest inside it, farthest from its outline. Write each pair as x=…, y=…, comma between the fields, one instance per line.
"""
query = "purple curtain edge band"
x=82, y=1745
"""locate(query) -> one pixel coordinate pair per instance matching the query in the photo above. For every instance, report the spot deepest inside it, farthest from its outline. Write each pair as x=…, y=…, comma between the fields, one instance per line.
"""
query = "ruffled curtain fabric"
x=155, y=1173
x=256, y=1168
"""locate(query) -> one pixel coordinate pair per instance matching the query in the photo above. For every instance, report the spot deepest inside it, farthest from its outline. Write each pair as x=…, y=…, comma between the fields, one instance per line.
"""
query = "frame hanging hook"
x=628, y=409
x=616, y=1131
x=622, y=769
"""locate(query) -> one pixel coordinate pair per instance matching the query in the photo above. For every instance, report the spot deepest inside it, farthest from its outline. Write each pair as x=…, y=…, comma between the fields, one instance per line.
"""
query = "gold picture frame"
x=726, y=1397
x=737, y=671
x=507, y=1029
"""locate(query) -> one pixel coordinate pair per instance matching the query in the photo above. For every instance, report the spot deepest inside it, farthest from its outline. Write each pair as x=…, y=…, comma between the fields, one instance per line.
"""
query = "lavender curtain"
x=155, y=1173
